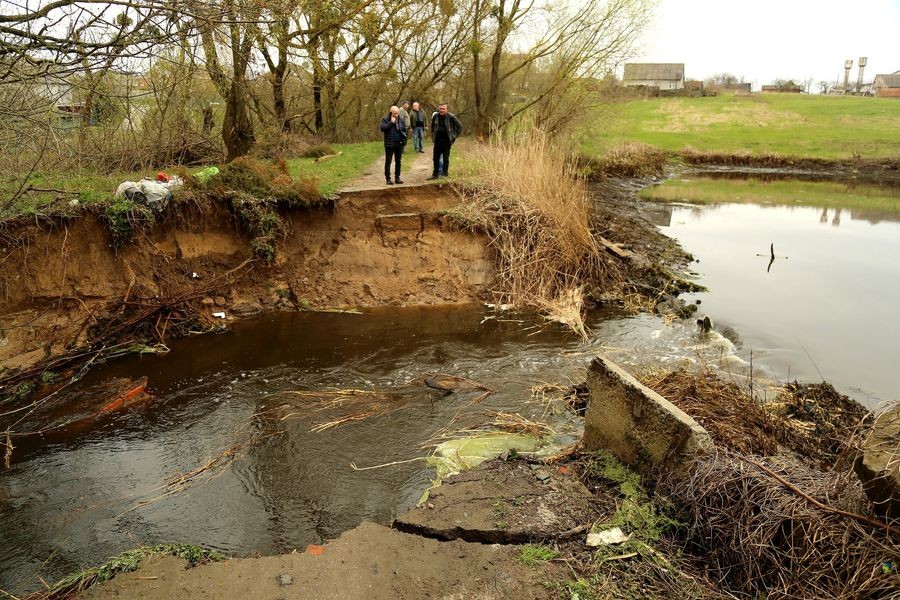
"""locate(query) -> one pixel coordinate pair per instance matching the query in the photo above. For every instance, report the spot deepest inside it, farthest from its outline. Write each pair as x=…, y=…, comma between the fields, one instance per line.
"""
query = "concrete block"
x=878, y=463
x=640, y=427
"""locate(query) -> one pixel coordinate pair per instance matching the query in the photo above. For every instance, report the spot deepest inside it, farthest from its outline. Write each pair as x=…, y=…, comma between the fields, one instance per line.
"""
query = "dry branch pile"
x=763, y=538
x=814, y=421
x=535, y=212
x=726, y=411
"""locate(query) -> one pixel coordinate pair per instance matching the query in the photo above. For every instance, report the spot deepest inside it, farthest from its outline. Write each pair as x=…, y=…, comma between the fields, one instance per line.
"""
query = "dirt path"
x=415, y=170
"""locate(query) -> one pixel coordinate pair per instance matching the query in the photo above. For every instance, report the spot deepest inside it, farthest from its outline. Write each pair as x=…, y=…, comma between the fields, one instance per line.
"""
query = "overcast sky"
x=763, y=40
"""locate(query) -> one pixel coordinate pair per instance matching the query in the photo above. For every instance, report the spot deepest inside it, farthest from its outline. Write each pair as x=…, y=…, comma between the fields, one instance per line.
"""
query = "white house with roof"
x=665, y=76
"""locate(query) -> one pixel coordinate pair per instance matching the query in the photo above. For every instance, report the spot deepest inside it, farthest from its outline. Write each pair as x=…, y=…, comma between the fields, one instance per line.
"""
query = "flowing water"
x=84, y=493
x=826, y=306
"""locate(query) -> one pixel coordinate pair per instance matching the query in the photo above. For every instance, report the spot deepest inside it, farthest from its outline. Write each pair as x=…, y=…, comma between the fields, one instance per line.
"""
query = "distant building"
x=887, y=85
x=665, y=76
x=785, y=87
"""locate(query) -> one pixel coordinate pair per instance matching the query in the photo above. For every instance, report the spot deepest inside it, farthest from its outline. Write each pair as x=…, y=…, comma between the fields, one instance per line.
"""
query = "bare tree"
x=580, y=41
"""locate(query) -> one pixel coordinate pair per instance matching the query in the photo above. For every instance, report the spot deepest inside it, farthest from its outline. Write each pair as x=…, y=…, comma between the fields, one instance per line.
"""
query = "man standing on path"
x=406, y=125
x=394, y=130
x=445, y=128
x=417, y=121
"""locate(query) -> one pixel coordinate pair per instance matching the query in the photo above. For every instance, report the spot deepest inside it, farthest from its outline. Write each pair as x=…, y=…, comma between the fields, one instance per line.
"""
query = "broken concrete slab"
x=400, y=222
x=370, y=561
x=878, y=463
x=640, y=427
x=502, y=503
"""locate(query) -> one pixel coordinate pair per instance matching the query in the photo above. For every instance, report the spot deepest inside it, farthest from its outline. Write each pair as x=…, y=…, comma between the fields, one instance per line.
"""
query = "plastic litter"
x=219, y=315
x=607, y=538
x=204, y=174
x=459, y=455
x=155, y=194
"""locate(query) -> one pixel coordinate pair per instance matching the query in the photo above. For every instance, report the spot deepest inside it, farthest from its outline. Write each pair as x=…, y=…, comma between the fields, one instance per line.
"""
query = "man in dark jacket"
x=394, y=130
x=445, y=128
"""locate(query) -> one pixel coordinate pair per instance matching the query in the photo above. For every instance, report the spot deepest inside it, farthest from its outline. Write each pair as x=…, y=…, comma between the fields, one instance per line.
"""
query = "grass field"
x=58, y=188
x=334, y=172
x=830, y=127
x=703, y=190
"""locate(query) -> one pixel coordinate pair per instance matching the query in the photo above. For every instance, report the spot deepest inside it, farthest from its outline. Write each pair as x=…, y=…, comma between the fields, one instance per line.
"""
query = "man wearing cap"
x=404, y=117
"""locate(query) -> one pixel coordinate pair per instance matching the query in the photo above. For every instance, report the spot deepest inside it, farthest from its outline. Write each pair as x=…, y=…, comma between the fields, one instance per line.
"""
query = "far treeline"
x=134, y=84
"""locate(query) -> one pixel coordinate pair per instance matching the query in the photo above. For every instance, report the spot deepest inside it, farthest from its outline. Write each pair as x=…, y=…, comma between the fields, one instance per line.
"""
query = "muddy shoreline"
x=69, y=297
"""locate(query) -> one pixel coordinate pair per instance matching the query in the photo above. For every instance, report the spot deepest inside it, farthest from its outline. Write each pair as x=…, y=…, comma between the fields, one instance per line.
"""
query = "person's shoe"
x=397, y=180
x=389, y=182
x=433, y=176
x=444, y=175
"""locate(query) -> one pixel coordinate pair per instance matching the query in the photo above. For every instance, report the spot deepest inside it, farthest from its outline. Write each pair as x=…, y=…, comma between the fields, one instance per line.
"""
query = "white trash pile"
x=153, y=193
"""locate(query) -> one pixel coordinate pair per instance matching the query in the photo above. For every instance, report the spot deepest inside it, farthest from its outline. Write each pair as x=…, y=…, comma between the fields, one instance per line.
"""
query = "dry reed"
x=534, y=209
x=776, y=528
x=629, y=159
x=352, y=404
x=516, y=423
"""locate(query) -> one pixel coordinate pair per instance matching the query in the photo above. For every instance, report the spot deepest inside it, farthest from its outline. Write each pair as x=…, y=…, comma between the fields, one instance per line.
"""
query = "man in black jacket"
x=445, y=128
x=394, y=130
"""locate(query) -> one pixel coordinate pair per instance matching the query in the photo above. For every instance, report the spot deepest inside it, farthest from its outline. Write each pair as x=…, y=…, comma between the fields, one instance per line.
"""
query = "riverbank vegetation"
x=125, y=562
x=534, y=209
x=776, y=511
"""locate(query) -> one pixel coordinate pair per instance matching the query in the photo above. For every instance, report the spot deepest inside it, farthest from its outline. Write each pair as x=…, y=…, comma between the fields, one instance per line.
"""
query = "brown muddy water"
x=827, y=306
x=84, y=493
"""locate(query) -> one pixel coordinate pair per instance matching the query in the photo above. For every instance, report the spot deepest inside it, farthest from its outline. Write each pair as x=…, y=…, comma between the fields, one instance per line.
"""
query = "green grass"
x=638, y=515
x=704, y=190
x=829, y=127
x=84, y=186
x=90, y=187
x=335, y=172
x=125, y=563
x=535, y=554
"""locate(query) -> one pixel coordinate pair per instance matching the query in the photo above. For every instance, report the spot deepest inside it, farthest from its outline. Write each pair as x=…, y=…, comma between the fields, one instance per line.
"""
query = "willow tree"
x=562, y=42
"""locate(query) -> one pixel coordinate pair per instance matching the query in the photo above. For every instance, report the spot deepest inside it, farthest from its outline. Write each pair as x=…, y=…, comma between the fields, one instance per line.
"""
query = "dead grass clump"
x=812, y=420
x=767, y=539
x=273, y=144
x=820, y=417
x=733, y=419
x=534, y=209
x=749, y=159
x=265, y=180
x=630, y=159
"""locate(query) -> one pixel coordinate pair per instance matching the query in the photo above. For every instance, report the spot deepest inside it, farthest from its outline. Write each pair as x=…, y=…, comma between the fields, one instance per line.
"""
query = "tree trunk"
x=237, y=128
x=476, y=72
x=278, y=79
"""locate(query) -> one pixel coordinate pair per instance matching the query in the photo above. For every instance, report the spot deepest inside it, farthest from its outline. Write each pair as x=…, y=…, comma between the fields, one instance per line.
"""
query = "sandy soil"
x=378, y=245
x=371, y=561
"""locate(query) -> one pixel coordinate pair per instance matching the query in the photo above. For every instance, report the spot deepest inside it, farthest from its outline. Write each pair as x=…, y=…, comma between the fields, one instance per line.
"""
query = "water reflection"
x=829, y=311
